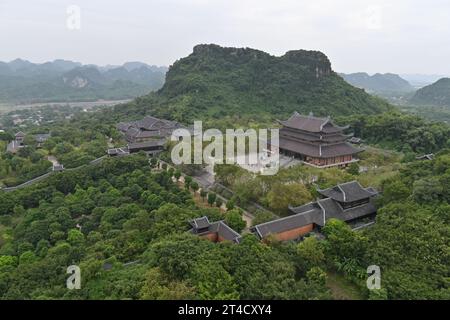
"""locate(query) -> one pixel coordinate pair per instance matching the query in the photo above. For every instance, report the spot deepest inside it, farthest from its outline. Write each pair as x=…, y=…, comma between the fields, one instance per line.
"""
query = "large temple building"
x=148, y=134
x=349, y=202
x=148, y=128
x=316, y=141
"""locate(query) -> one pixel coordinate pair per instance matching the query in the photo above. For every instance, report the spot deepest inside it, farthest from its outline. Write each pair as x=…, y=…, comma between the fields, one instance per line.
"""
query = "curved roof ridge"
x=327, y=120
x=343, y=192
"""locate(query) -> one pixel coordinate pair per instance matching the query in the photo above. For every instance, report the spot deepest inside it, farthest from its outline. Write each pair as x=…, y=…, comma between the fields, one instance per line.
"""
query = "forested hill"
x=217, y=82
x=437, y=94
x=378, y=83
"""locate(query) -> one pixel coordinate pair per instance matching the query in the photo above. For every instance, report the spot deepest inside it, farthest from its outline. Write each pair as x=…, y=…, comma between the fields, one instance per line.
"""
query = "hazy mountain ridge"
x=218, y=82
x=62, y=80
x=418, y=80
x=378, y=83
x=436, y=94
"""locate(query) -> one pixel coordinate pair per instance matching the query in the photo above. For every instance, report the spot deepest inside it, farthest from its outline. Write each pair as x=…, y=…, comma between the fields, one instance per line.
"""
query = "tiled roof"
x=429, y=156
x=225, y=232
x=306, y=215
x=347, y=192
x=219, y=227
x=148, y=127
x=20, y=134
x=334, y=211
x=152, y=123
x=41, y=137
x=355, y=140
x=313, y=137
x=311, y=124
x=200, y=223
x=146, y=144
x=123, y=126
x=118, y=151
x=148, y=134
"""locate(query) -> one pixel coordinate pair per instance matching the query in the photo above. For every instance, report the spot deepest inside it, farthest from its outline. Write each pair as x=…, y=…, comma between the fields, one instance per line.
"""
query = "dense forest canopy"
x=401, y=131
x=130, y=213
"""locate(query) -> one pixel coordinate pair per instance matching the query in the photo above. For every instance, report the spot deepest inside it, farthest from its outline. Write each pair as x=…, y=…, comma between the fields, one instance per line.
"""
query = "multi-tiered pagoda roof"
x=312, y=139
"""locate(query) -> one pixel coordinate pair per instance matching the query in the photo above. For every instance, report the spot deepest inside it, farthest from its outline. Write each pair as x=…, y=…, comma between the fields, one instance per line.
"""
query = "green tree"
x=219, y=202
x=283, y=195
x=353, y=169
x=157, y=286
x=234, y=220
x=310, y=254
x=194, y=186
x=187, y=182
x=231, y=204
x=262, y=216
x=211, y=198
x=153, y=162
x=346, y=249
x=203, y=194
x=75, y=237
x=177, y=174
x=213, y=282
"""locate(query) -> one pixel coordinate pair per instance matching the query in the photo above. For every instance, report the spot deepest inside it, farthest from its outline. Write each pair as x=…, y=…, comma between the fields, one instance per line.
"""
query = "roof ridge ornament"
x=295, y=114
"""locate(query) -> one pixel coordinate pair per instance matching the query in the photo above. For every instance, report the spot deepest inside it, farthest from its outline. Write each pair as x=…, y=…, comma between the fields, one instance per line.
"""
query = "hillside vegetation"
x=378, y=83
x=436, y=94
x=241, y=83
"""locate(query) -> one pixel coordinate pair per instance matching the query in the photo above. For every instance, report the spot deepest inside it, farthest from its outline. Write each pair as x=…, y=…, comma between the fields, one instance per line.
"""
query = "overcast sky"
x=401, y=36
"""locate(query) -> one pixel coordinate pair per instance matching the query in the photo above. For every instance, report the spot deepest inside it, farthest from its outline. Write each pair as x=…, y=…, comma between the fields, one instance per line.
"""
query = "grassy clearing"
x=342, y=289
x=381, y=164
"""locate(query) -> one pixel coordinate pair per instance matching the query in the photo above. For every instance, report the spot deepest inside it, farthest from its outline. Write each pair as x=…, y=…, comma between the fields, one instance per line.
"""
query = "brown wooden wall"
x=329, y=161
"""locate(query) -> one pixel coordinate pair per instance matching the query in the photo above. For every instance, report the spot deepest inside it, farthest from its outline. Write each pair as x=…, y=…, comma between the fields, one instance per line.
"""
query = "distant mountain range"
x=421, y=80
x=221, y=83
x=436, y=94
x=378, y=83
x=22, y=81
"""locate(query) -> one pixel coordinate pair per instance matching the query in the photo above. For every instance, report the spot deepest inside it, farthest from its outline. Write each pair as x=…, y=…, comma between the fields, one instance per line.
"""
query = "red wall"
x=294, y=233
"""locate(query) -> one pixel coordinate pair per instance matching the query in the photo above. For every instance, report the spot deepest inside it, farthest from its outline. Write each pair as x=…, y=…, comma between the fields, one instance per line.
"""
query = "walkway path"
x=53, y=160
x=48, y=174
x=205, y=182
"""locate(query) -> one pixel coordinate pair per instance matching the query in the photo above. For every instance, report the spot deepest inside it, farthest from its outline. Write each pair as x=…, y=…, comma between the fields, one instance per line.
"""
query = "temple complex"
x=349, y=202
